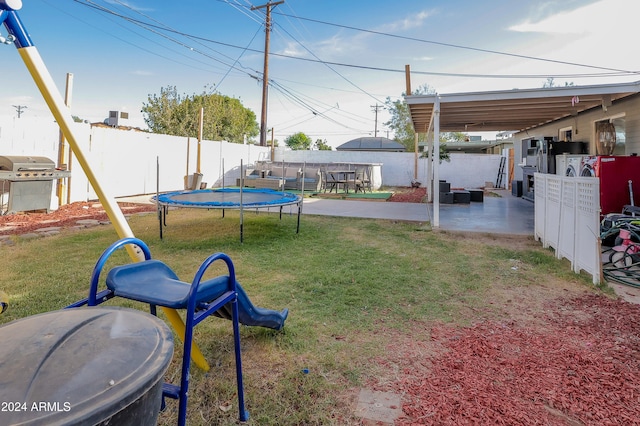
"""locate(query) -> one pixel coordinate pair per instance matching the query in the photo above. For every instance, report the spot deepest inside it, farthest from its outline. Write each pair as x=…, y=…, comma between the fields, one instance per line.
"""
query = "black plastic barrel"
x=83, y=366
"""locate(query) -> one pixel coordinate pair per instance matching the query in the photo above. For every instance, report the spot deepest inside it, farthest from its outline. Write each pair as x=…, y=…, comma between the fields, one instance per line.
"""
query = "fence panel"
x=587, y=233
x=539, y=210
x=553, y=207
x=566, y=243
x=567, y=213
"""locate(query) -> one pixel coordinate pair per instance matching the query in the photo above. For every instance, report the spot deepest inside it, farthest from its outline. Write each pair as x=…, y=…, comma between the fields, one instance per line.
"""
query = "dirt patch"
x=65, y=217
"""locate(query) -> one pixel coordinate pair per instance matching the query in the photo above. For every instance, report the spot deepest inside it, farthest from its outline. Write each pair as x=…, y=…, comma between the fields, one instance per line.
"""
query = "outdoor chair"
x=328, y=181
x=359, y=180
x=154, y=283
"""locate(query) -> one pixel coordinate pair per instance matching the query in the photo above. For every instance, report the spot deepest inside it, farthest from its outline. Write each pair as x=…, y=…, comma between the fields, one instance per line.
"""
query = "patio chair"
x=154, y=283
x=359, y=179
x=328, y=181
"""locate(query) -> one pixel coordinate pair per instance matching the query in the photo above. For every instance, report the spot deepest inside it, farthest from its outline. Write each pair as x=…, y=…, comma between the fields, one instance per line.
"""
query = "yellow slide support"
x=43, y=80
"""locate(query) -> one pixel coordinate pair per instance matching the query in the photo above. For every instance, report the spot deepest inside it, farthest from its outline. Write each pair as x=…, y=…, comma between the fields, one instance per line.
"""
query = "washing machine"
x=569, y=164
x=588, y=168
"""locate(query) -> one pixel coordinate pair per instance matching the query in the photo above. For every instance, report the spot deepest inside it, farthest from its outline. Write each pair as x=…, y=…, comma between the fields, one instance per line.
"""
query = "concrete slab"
x=48, y=229
x=503, y=214
x=626, y=292
x=381, y=407
x=88, y=222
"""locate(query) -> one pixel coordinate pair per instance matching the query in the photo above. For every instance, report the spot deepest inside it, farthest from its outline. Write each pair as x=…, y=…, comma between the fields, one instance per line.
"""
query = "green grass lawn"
x=348, y=283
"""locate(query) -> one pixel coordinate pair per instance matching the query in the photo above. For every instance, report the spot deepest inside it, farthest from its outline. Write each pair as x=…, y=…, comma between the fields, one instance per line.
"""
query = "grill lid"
x=15, y=163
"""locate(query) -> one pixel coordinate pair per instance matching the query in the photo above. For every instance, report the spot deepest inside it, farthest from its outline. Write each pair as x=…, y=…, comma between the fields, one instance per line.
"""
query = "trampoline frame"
x=164, y=201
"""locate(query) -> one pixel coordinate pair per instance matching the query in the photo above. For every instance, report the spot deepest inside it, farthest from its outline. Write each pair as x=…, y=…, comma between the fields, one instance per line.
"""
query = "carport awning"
x=512, y=110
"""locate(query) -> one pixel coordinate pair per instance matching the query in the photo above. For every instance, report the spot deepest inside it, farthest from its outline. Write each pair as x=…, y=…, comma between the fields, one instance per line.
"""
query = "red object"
x=615, y=172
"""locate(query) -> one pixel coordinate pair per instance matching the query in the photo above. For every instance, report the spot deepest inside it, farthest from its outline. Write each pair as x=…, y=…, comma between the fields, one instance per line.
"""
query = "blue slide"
x=129, y=281
x=252, y=315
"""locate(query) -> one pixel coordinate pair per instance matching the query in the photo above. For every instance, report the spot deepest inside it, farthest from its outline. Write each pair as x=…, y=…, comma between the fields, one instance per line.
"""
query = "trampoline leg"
x=298, y=226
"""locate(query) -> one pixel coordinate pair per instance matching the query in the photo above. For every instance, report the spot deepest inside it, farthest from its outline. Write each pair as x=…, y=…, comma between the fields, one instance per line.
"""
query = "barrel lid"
x=79, y=365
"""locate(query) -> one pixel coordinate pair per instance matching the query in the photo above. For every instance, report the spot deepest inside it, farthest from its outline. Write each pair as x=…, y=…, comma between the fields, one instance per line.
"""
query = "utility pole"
x=20, y=109
x=265, y=73
x=376, y=107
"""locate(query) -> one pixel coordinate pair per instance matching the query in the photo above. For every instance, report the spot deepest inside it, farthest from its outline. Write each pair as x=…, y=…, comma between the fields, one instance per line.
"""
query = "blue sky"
x=333, y=61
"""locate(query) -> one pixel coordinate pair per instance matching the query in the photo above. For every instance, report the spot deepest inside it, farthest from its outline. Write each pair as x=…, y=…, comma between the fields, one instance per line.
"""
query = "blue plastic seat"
x=154, y=283
x=134, y=281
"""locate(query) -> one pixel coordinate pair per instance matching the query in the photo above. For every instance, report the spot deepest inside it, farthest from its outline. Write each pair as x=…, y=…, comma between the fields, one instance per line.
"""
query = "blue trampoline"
x=227, y=198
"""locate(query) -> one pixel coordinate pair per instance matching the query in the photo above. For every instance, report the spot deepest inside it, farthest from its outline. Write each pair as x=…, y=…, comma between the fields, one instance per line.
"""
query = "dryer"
x=588, y=168
x=569, y=164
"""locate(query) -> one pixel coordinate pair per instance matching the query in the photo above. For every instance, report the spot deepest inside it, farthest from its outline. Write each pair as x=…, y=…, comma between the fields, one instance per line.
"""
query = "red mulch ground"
x=66, y=216
x=409, y=195
x=580, y=367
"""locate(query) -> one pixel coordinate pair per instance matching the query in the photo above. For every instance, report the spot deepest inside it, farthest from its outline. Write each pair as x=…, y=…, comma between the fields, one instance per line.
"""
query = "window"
x=565, y=134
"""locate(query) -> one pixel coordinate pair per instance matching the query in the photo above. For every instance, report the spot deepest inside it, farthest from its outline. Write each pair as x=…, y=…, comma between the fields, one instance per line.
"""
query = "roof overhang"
x=516, y=110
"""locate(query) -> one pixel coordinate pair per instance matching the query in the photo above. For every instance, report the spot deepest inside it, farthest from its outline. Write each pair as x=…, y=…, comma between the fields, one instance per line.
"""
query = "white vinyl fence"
x=567, y=218
x=125, y=162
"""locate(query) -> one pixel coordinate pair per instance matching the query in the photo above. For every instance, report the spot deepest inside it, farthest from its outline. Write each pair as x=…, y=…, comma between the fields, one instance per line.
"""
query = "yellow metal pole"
x=61, y=190
x=46, y=85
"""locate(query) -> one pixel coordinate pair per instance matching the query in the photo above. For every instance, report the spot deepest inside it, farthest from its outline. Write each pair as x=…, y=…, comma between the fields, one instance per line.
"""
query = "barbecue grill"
x=27, y=182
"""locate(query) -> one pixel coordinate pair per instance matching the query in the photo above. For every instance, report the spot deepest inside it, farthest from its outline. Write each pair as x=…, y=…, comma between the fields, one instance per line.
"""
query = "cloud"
x=414, y=20
x=340, y=45
x=142, y=73
x=582, y=20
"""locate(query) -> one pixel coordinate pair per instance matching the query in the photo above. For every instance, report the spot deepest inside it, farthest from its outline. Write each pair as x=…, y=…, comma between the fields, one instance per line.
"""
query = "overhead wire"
x=230, y=63
x=457, y=46
x=612, y=72
x=157, y=28
x=229, y=69
x=55, y=5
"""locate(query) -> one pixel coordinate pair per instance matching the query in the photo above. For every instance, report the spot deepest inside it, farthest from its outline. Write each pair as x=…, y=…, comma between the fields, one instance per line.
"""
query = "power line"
x=611, y=73
x=457, y=46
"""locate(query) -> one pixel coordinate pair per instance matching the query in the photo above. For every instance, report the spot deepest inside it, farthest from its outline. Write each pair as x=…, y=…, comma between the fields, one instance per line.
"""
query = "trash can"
x=83, y=366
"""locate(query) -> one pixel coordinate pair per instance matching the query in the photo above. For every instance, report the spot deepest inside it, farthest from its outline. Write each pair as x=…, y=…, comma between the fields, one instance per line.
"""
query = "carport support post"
x=436, y=162
x=38, y=70
x=415, y=156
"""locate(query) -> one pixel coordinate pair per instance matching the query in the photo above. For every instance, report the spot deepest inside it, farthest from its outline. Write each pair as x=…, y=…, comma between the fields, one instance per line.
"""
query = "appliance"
x=28, y=182
x=548, y=149
x=541, y=157
x=615, y=173
x=569, y=164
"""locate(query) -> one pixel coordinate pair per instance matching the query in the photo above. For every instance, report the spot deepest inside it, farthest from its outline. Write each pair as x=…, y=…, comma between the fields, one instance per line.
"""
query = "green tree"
x=454, y=137
x=551, y=83
x=321, y=145
x=400, y=123
x=298, y=141
x=224, y=118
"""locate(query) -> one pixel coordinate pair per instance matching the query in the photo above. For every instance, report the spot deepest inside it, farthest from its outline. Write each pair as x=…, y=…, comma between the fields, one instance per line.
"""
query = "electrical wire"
x=610, y=73
x=162, y=30
x=457, y=46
